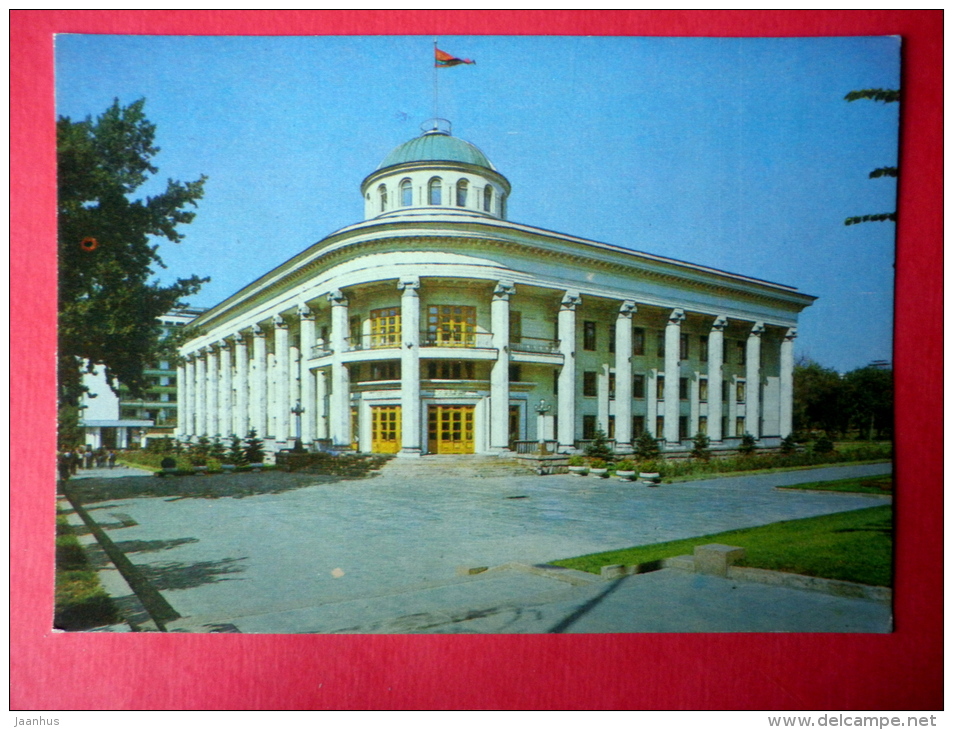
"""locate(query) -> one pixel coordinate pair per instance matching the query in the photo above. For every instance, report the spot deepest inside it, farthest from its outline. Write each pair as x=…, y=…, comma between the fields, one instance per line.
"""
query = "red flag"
x=442, y=59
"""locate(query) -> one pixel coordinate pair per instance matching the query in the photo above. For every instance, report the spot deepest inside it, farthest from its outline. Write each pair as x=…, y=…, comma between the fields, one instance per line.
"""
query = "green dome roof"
x=436, y=147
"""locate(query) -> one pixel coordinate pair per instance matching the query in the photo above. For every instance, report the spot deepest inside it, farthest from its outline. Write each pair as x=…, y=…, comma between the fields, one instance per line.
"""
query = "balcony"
x=456, y=338
x=380, y=341
x=535, y=345
x=320, y=350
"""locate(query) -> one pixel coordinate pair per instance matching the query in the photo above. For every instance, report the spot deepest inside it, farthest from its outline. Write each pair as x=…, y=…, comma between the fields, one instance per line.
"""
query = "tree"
x=868, y=400
x=817, y=398
x=107, y=303
x=599, y=448
x=700, y=446
x=646, y=447
x=254, y=448
x=887, y=96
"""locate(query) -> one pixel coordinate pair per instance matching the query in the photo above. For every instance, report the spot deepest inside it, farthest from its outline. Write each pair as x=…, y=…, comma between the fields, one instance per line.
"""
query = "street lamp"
x=542, y=408
x=298, y=410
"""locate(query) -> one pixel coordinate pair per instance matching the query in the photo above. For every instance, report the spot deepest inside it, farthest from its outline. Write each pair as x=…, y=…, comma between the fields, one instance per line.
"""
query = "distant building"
x=120, y=422
x=438, y=326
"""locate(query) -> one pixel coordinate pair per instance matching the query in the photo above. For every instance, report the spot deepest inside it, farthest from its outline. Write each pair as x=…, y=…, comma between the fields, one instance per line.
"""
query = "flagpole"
x=434, y=79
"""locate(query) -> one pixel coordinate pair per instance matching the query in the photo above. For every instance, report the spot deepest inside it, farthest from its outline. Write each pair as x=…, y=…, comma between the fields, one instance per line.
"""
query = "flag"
x=442, y=59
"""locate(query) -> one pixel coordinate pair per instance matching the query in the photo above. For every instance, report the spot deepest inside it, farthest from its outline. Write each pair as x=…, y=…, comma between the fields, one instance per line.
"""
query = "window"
x=660, y=427
x=588, y=427
x=683, y=388
x=724, y=425
x=683, y=353
x=163, y=364
x=451, y=326
x=353, y=371
x=742, y=353
x=703, y=348
x=450, y=369
x=740, y=426
x=406, y=194
x=703, y=425
x=502, y=206
x=638, y=426
x=487, y=198
x=389, y=370
x=682, y=428
x=638, y=341
x=611, y=338
x=611, y=386
x=588, y=335
x=703, y=390
x=740, y=391
x=354, y=330
x=724, y=390
x=516, y=373
x=638, y=385
x=589, y=384
x=660, y=344
x=660, y=387
x=516, y=327
x=462, y=193
x=555, y=382
x=382, y=193
x=385, y=327
x=434, y=190
x=611, y=433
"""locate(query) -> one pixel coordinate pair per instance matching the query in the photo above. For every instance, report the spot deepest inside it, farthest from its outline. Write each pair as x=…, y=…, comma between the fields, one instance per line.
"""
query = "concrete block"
x=714, y=558
x=680, y=562
x=610, y=572
x=469, y=570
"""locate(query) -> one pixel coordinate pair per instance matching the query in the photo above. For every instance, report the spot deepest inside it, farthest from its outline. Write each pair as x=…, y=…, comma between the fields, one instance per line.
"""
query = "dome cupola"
x=435, y=173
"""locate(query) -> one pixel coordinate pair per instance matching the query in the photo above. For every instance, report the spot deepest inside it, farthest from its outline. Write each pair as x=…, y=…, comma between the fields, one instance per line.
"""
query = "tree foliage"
x=861, y=400
x=887, y=96
x=108, y=299
x=817, y=398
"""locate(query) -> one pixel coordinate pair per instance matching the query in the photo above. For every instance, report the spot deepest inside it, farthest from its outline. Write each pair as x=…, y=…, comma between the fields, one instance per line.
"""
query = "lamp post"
x=542, y=408
x=298, y=410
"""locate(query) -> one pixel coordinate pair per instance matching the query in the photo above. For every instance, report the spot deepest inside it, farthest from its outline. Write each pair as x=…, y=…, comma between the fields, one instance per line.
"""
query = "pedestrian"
x=64, y=464
x=88, y=458
x=111, y=459
x=73, y=462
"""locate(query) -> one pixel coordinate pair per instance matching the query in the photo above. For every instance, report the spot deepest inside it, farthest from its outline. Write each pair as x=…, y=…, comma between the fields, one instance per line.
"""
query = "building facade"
x=438, y=326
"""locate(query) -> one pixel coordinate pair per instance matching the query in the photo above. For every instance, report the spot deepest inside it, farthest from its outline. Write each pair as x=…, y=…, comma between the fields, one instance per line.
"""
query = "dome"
x=436, y=146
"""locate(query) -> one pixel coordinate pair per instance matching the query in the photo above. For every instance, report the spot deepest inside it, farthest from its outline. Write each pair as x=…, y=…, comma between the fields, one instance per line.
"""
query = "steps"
x=458, y=466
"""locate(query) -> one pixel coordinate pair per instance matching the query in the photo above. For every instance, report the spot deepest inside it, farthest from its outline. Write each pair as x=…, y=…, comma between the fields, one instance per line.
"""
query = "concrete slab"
x=359, y=555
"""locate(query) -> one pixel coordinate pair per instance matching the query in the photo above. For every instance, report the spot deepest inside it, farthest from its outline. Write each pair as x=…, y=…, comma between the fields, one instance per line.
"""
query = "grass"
x=854, y=546
x=81, y=602
x=863, y=485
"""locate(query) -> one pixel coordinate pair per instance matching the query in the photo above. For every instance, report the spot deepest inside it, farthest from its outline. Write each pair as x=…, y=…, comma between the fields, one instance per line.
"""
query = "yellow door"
x=385, y=429
x=355, y=430
x=450, y=430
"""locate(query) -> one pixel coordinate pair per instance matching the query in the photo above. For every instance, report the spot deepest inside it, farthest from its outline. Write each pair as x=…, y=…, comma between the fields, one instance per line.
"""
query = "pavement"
x=294, y=553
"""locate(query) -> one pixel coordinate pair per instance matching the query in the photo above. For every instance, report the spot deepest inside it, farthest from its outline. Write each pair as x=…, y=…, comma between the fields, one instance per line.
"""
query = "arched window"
x=382, y=191
x=433, y=190
x=488, y=198
x=462, y=193
x=406, y=194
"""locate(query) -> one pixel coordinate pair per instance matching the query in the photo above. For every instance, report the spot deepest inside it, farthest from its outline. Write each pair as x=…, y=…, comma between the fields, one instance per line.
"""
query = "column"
x=716, y=363
x=180, y=401
x=225, y=389
x=787, y=383
x=339, y=405
x=500, y=374
x=602, y=399
x=623, y=378
x=410, y=445
x=294, y=385
x=321, y=396
x=240, y=411
x=200, y=394
x=211, y=404
x=259, y=382
x=308, y=399
x=281, y=404
x=673, y=331
x=753, y=378
x=187, y=398
x=566, y=401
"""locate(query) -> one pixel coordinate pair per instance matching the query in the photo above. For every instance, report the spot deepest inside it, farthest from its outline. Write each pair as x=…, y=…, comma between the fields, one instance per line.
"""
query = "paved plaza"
x=293, y=553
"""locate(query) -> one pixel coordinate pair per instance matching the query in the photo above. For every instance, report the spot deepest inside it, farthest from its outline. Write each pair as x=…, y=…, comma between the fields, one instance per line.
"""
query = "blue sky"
x=735, y=153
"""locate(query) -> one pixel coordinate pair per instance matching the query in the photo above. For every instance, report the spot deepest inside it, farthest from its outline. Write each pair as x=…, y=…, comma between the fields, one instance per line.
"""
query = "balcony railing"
x=532, y=447
x=443, y=338
x=320, y=350
x=535, y=344
x=583, y=443
x=373, y=342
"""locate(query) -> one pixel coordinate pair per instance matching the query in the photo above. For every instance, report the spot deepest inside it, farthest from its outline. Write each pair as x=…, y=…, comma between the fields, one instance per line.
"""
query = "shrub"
x=788, y=445
x=646, y=447
x=597, y=463
x=217, y=450
x=254, y=451
x=748, y=446
x=625, y=465
x=700, y=448
x=599, y=448
x=168, y=463
x=576, y=460
x=823, y=445
x=236, y=453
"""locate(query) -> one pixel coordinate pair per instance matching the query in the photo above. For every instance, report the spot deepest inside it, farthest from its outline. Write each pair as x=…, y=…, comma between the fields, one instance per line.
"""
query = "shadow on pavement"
x=179, y=576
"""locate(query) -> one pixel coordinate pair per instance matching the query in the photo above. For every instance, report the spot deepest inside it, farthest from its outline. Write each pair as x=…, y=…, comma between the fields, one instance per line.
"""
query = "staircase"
x=458, y=466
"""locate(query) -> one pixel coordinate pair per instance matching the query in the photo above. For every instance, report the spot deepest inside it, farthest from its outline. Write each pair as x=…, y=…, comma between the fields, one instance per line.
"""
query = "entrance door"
x=514, y=431
x=450, y=429
x=355, y=430
x=385, y=429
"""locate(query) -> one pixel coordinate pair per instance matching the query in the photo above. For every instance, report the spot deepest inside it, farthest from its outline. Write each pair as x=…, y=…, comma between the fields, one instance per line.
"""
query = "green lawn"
x=865, y=485
x=855, y=546
x=81, y=602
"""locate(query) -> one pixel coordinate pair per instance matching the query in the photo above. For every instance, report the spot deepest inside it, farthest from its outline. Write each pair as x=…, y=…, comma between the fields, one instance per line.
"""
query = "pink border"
x=687, y=671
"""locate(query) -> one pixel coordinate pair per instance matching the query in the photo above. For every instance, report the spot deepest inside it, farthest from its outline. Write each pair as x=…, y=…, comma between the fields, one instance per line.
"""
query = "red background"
x=629, y=671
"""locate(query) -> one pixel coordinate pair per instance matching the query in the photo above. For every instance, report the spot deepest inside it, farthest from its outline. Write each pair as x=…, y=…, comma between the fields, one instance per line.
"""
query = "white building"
x=437, y=326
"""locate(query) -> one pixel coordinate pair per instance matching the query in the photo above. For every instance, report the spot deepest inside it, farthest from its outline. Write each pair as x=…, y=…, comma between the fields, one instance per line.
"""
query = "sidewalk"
x=380, y=554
